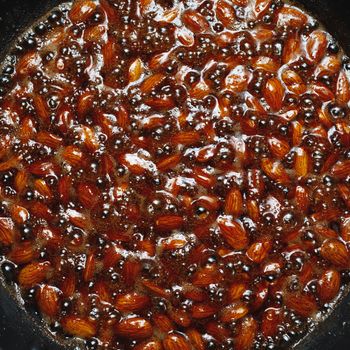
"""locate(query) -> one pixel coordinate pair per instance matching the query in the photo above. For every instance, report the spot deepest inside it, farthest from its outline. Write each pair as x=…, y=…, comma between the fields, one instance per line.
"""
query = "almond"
x=200, y=311
x=258, y=251
x=316, y=46
x=335, y=252
x=234, y=312
x=33, y=273
x=195, y=21
x=81, y=10
x=176, y=341
x=79, y=327
x=329, y=285
x=131, y=302
x=234, y=203
x=303, y=304
x=271, y=318
x=134, y=328
x=234, y=234
x=196, y=339
x=274, y=93
x=246, y=333
x=48, y=299
x=225, y=13
x=343, y=89
x=169, y=222
x=291, y=17
x=7, y=231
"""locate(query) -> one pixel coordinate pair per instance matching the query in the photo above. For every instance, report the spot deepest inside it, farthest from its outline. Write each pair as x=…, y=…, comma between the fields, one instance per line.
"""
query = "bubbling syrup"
x=175, y=174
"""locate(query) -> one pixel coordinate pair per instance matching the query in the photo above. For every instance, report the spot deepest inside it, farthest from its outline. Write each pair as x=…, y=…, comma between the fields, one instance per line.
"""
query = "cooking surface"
x=26, y=344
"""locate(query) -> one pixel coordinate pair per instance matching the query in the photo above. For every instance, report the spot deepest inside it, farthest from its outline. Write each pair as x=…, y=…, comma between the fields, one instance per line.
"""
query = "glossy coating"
x=273, y=103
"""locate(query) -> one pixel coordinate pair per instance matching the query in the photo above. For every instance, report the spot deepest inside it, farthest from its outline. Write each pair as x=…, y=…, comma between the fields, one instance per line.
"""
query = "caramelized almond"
x=234, y=312
x=234, y=234
x=176, y=342
x=80, y=327
x=329, y=285
x=33, y=273
x=195, y=21
x=48, y=299
x=274, y=93
x=303, y=304
x=81, y=10
x=131, y=302
x=7, y=231
x=271, y=318
x=335, y=252
x=291, y=17
x=234, y=203
x=225, y=13
x=134, y=328
x=246, y=333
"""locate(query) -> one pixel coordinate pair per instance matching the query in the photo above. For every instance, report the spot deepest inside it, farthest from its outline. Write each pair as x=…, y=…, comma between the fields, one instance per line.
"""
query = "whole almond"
x=195, y=21
x=134, y=328
x=303, y=304
x=7, y=231
x=316, y=46
x=176, y=341
x=234, y=234
x=33, y=273
x=48, y=299
x=274, y=93
x=271, y=318
x=131, y=302
x=335, y=252
x=80, y=327
x=329, y=285
x=246, y=333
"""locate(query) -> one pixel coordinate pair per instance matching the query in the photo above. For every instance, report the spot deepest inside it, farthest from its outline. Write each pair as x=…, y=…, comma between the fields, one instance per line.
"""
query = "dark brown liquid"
x=176, y=174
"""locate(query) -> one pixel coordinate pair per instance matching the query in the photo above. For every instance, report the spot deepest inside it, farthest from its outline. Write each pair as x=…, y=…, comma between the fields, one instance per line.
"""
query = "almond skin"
x=335, y=252
x=233, y=233
x=48, y=299
x=168, y=223
x=258, y=251
x=200, y=311
x=234, y=312
x=329, y=285
x=272, y=317
x=273, y=93
x=291, y=17
x=80, y=327
x=246, y=333
x=150, y=345
x=82, y=10
x=134, y=328
x=7, y=233
x=33, y=273
x=316, y=46
x=234, y=203
x=131, y=302
x=196, y=339
x=303, y=304
x=225, y=13
x=195, y=21
x=176, y=342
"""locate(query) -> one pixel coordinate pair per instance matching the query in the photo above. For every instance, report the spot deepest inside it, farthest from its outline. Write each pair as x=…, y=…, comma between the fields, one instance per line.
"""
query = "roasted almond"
x=134, y=328
x=80, y=327
x=131, y=302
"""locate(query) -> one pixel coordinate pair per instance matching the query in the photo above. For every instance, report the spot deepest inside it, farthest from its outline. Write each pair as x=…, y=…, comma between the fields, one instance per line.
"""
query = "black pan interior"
x=18, y=331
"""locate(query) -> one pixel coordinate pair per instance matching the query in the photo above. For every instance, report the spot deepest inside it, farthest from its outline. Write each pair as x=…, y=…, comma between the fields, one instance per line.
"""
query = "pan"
x=20, y=328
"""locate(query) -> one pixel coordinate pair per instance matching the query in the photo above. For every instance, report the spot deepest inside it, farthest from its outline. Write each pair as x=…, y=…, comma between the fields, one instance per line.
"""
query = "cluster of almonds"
x=175, y=175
